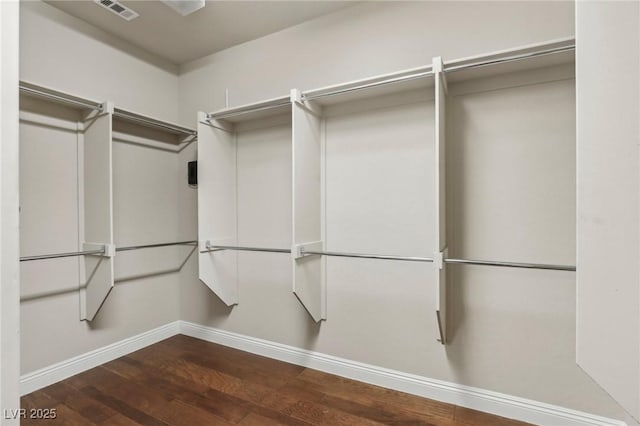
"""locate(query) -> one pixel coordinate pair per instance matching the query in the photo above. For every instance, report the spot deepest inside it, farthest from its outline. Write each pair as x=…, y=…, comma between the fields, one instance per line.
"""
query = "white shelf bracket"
x=298, y=250
x=438, y=68
x=296, y=96
x=438, y=259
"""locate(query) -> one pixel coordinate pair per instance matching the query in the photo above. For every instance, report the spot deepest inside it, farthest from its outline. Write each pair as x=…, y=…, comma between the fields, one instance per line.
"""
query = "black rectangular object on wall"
x=192, y=167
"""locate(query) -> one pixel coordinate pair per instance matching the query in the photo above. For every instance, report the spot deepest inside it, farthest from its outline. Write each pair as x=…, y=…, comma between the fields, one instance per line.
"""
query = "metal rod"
x=126, y=115
x=145, y=246
x=368, y=85
x=509, y=58
x=368, y=256
x=59, y=97
x=248, y=109
x=58, y=255
x=458, y=261
x=512, y=264
x=240, y=248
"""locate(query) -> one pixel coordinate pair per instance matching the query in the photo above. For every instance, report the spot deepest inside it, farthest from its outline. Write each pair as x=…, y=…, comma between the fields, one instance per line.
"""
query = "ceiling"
x=217, y=26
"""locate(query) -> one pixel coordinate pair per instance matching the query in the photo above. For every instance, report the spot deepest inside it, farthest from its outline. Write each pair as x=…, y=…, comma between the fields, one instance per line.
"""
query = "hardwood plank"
x=152, y=373
x=180, y=377
x=299, y=389
x=318, y=414
x=275, y=406
x=246, y=366
x=254, y=419
x=364, y=405
x=89, y=377
x=206, y=377
x=37, y=400
x=367, y=394
x=123, y=408
x=225, y=406
x=193, y=372
x=124, y=369
x=143, y=398
x=118, y=420
x=78, y=401
x=180, y=414
x=68, y=417
x=383, y=413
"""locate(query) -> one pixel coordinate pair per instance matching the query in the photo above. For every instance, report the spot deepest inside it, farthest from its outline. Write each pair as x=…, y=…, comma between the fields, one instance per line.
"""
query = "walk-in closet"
x=320, y=213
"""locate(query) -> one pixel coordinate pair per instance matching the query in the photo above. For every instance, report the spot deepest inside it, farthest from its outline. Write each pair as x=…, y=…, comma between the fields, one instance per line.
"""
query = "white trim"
x=39, y=379
x=465, y=396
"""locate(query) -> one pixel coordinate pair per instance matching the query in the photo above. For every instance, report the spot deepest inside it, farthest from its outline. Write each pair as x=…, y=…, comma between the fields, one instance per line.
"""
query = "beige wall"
x=513, y=331
x=608, y=75
x=63, y=53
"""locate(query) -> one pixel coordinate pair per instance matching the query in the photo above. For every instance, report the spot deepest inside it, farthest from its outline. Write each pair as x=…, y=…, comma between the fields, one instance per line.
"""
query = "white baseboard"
x=465, y=396
x=39, y=379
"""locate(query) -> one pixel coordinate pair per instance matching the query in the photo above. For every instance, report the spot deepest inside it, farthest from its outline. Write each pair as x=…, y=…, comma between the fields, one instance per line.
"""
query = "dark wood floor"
x=185, y=381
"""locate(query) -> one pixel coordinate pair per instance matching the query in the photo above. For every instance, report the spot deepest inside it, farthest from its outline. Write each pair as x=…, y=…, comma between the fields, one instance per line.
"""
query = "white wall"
x=608, y=88
x=9, y=237
x=63, y=53
x=513, y=330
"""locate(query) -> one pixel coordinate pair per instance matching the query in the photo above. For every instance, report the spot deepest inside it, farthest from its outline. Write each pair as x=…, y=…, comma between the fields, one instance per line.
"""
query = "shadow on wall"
x=101, y=321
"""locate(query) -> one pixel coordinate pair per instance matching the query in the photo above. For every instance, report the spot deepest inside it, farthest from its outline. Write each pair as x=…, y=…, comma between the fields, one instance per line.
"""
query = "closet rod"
x=459, y=261
x=513, y=264
x=240, y=248
x=265, y=106
x=82, y=253
x=326, y=253
x=178, y=243
x=60, y=97
x=55, y=256
x=511, y=58
x=368, y=256
x=130, y=116
x=544, y=266
x=368, y=85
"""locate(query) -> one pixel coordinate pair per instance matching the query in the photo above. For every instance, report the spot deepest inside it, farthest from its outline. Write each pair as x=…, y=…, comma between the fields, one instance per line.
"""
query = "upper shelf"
x=152, y=122
x=254, y=111
x=33, y=90
x=412, y=79
x=560, y=52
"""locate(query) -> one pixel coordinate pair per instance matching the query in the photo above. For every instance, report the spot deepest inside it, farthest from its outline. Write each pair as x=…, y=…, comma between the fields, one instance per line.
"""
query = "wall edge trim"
x=466, y=396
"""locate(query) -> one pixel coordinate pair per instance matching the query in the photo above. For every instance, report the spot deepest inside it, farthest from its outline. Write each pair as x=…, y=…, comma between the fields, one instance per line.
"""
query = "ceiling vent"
x=118, y=8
